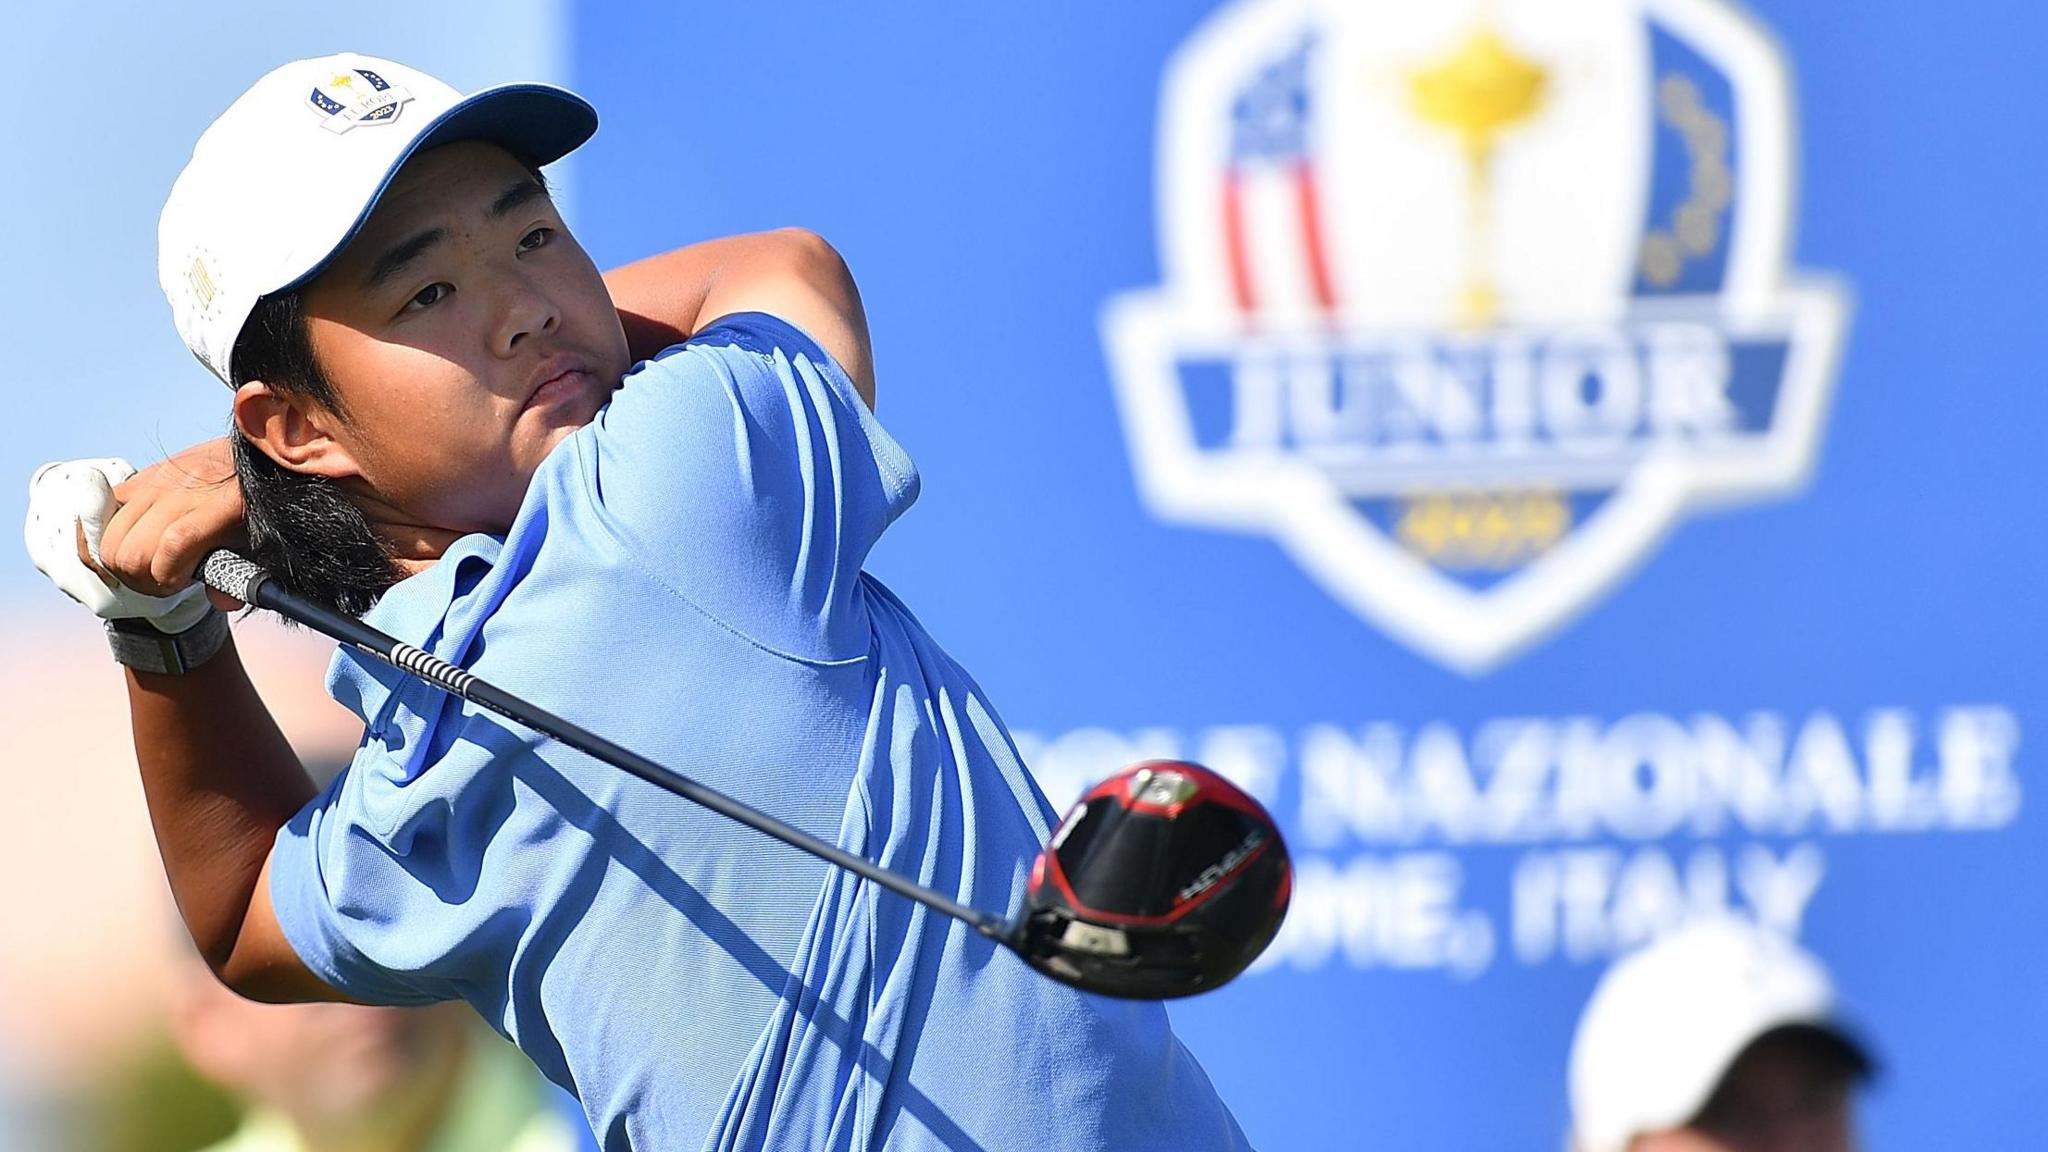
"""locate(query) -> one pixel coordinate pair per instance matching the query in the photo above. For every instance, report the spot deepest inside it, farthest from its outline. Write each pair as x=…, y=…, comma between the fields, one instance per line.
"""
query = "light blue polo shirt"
x=685, y=578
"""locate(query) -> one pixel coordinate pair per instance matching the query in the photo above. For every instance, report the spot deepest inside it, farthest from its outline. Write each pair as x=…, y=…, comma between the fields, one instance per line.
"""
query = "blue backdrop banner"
x=1568, y=459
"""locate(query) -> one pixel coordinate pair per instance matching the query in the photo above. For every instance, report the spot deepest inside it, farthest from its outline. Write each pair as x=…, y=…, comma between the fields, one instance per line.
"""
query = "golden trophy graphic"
x=1479, y=91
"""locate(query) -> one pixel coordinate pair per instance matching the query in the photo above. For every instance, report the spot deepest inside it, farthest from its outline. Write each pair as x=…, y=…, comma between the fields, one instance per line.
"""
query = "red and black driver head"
x=1164, y=880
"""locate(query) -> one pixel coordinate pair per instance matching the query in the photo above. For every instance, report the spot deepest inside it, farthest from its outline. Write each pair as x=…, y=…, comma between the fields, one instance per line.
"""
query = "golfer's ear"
x=293, y=431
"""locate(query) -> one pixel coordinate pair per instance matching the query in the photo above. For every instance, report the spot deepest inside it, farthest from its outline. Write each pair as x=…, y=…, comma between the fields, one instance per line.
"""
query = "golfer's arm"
x=790, y=273
x=220, y=779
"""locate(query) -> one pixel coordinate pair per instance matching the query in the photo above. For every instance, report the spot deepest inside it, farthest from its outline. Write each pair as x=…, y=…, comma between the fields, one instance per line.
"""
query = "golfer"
x=642, y=500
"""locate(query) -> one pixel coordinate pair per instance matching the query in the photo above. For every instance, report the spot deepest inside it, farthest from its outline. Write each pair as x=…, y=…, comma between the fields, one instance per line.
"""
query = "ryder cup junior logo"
x=1467, y=303
x=356, y=97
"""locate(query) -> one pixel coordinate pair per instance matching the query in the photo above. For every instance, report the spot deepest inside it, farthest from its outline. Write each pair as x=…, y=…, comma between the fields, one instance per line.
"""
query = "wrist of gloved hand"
x=147, y=647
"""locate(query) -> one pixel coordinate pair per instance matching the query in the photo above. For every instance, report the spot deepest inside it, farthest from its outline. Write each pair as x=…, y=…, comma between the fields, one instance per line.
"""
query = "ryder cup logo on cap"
x=357, y=96
x=288, y=174
x=1466, y=304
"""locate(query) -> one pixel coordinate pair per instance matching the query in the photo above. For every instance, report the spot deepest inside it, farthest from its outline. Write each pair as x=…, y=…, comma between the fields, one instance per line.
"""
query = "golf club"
x=1164, y=880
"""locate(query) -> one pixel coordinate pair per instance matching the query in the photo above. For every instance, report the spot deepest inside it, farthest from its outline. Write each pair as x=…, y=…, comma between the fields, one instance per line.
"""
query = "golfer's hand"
x=125, y=544
x=172, y=514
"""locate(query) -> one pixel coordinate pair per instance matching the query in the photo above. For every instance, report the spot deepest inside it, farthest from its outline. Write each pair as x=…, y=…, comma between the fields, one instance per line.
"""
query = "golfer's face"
x=466, y=334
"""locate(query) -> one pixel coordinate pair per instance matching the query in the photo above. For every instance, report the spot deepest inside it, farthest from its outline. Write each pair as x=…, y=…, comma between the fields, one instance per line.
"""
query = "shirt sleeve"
x=743, y=471
x=385, y=884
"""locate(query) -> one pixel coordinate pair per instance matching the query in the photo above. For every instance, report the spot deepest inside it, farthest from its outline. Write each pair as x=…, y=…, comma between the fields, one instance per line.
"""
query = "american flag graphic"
x=1272, y=217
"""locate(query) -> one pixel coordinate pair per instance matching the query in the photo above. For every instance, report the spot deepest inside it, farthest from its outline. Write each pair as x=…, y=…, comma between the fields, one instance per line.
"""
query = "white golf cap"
x=287, y=175
x=1668, y=1021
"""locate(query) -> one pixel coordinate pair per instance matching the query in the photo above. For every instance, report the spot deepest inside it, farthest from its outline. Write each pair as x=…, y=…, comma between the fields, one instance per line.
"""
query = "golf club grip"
x=241, y=578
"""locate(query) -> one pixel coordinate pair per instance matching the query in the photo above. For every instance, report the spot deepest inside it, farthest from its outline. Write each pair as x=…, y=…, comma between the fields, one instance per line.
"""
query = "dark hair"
x=1828, y=1061
x=303, y=529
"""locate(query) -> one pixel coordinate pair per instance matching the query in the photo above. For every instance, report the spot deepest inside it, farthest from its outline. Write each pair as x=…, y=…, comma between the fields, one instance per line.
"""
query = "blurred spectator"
x=1718, y=1037
x=348, y=1078
x=21, y=1130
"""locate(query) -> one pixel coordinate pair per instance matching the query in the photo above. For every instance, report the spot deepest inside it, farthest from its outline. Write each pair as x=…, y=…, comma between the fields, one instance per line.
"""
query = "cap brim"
x=538, y=123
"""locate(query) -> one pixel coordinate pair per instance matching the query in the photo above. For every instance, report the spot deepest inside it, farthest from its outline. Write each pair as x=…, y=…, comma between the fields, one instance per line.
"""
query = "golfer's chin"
x=543, y=429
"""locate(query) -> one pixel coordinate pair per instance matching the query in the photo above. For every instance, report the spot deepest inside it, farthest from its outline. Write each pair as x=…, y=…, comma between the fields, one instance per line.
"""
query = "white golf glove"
x=74, y=499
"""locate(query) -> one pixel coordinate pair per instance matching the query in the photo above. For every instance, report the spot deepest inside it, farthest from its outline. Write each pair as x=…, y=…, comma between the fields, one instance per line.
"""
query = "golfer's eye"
x=537, y=238
x=428, y=296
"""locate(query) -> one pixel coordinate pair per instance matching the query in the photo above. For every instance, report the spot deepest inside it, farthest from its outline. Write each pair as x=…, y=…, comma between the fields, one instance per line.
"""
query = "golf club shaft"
x=242, y=579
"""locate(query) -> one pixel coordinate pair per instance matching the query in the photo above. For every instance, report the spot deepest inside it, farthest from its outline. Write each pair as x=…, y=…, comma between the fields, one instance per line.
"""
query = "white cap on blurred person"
x=1667, y=1022
x=287, y=175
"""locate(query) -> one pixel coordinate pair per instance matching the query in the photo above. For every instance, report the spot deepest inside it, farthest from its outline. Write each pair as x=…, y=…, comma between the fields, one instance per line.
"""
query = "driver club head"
x=1165, y=880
